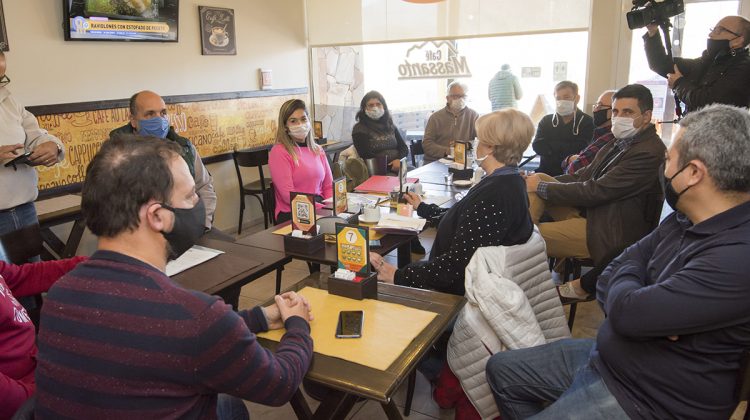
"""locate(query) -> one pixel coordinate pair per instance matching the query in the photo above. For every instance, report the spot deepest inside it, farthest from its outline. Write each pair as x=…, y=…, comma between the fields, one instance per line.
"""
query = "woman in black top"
x=375, y=135
x=494, y=212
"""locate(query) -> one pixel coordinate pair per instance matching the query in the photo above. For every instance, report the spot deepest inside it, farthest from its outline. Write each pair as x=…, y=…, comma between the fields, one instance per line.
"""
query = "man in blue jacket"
x=676, y=302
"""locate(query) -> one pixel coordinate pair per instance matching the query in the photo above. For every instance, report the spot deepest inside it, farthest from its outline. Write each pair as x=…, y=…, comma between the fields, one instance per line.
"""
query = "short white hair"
x=464, y=87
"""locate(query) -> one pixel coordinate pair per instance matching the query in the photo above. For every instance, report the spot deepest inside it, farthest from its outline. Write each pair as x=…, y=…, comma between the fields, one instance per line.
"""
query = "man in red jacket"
x=17, y=341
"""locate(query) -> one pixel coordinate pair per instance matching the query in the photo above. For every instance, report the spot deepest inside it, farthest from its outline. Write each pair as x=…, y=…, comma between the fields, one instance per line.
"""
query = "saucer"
x=363, y=220
x=462, y=183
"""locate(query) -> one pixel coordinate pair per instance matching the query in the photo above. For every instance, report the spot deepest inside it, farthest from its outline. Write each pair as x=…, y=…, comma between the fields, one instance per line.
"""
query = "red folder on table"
x=381, y=184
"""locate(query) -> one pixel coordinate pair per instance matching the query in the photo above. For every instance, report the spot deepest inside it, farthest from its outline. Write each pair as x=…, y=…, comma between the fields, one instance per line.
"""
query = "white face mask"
x=478, y=159
x=458, y=104
x=565, y=108
x=300, y=131
x=623, y=128
x=375, y=113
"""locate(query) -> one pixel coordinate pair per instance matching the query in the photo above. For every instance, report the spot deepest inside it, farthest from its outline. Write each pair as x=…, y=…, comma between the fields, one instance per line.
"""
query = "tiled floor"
x=588, y=319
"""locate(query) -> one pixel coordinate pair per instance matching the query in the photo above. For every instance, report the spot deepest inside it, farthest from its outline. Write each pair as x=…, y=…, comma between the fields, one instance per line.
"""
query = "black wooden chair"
x=18, y=247
x=415, y=150
x=259, y=189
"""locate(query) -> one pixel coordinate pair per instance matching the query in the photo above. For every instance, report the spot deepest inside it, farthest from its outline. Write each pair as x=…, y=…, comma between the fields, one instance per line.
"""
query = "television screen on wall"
x=121, y=20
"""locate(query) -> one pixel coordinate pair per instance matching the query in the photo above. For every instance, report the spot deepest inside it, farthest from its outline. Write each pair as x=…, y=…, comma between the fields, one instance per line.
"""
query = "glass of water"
x=449, y=178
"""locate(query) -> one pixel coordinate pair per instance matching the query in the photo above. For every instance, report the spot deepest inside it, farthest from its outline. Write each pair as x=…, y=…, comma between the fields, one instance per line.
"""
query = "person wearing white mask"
x=297, y=163
x=611, y=203
x=453, y=123
x=565, y=132
x=375, y=134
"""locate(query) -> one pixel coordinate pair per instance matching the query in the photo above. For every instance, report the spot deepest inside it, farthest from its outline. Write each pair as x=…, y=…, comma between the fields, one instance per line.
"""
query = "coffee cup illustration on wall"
x=219, y=37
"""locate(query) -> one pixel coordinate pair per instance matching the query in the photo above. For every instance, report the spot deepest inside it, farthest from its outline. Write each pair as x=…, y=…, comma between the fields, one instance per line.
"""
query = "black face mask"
x=716, y=47
x=600, y=117
x=670, y=194
x=188, y=227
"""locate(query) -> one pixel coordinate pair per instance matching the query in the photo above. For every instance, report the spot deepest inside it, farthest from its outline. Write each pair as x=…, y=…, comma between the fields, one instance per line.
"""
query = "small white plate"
x=462, y=183
x=363, y=220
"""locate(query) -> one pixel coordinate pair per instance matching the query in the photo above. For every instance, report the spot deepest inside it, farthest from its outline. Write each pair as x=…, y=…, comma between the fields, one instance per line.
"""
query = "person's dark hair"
x=385, y=121
x=567, y=84
x=132, y=106
x=127, y=172
x=638, y=92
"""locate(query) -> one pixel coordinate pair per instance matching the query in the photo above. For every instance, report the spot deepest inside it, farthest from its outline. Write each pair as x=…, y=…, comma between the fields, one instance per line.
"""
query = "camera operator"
x=720, y=75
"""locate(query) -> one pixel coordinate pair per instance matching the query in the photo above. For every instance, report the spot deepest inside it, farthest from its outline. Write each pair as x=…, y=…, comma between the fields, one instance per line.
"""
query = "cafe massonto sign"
x=433, y=60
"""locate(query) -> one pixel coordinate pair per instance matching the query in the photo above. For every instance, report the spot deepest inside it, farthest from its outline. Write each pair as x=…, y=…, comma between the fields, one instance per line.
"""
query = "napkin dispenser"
x=359, y=288
x=304, y=245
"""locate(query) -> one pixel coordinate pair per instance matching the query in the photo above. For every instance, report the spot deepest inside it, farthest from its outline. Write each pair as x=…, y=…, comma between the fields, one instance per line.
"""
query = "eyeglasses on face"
x=717, y=30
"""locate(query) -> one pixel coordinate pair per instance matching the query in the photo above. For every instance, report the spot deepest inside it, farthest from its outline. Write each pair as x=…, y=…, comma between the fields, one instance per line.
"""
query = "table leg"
x=76, y=233
x=336, y=405
x=391, y=411
x=300, y=407
x=278, y=279
x=231, y=296
x=403, y=255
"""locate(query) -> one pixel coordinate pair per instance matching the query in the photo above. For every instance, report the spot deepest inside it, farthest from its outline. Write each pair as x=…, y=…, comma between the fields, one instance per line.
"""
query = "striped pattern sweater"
x=119, y=339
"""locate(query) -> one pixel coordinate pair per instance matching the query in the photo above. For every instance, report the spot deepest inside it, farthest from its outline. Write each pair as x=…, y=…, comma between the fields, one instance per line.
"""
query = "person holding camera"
x=718, y=76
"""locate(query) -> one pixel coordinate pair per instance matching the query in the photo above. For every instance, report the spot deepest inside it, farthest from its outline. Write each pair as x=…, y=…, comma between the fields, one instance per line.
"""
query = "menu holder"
x=339, y=196
x=353, y=254
x=461, y=159
x=304, y=220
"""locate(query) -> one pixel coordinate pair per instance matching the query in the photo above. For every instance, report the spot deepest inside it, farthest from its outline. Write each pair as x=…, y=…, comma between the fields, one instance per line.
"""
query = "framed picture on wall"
x=3, y=32
x=218, y=36
x=318, y=129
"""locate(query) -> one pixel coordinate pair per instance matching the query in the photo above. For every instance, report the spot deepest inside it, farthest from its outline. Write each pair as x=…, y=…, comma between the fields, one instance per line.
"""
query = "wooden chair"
x=21, y=245
x=258, y=189
x=416, y=149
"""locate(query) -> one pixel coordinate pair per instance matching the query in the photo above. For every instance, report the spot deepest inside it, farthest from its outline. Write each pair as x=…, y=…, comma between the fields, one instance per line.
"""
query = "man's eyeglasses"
x=457, y=96
x=4, y=80
x=599, y=106
x=719, y=29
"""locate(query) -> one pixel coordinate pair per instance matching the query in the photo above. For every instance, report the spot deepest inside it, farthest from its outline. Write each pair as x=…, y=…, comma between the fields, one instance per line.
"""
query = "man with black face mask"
x=602, y=135
x=720, y=75
x=117, y=334
x=676, y=302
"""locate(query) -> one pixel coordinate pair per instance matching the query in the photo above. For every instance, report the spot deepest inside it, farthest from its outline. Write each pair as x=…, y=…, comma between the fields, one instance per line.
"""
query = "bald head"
x=144, y=105
x=605, y=99
x=735, y=29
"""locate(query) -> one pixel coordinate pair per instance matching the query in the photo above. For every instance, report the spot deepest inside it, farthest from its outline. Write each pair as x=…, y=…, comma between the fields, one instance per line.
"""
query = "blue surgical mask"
x=157, y=127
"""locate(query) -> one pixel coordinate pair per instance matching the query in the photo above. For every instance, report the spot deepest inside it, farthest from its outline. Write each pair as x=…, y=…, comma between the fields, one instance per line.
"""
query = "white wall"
x=45, y=69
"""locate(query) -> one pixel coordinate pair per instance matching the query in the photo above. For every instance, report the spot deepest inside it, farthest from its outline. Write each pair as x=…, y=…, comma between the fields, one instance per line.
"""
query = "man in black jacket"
x=720, y=75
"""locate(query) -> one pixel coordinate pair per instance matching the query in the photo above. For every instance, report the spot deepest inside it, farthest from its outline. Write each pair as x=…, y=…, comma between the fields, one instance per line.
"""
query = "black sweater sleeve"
x=479, y=226
x=403, y=149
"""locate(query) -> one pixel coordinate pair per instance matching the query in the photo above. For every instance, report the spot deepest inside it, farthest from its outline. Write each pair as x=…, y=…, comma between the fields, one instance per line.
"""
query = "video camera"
x=645, y=12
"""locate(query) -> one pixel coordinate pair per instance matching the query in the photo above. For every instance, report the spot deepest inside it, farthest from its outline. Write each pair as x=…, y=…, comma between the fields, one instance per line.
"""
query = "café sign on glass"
x=433, y=60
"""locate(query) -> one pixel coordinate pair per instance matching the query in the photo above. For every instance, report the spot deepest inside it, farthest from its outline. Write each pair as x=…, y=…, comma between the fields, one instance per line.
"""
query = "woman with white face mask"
x=374, y=135
x=297, y=163
x=565, y=132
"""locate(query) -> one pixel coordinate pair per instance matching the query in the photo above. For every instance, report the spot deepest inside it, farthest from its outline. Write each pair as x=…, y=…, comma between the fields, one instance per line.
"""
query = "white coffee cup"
x=372, y=214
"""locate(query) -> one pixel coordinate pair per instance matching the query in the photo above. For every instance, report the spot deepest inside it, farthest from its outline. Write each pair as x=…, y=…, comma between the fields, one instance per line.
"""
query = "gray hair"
x=719, y=136
x=463, y=86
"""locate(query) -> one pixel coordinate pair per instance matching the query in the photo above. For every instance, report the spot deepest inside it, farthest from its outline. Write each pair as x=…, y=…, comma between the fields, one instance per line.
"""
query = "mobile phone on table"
x=350, y=324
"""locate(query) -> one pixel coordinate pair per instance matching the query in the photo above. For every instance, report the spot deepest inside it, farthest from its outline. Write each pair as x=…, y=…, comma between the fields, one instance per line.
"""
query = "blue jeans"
x=231, y=408
x=18, y=217
x=552, y=381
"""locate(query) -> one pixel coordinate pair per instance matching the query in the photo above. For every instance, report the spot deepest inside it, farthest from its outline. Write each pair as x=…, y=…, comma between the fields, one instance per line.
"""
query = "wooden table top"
x=238, y=264
x=372, y=383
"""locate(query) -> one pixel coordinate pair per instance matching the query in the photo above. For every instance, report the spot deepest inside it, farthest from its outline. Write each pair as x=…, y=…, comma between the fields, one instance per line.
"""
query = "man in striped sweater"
x=119, y=339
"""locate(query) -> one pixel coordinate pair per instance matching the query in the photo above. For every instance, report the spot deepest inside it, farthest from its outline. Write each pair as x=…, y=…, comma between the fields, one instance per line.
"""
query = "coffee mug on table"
x=371, y=214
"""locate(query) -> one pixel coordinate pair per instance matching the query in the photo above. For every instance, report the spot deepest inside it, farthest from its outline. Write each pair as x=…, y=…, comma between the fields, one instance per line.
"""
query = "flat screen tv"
x=121, y=20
